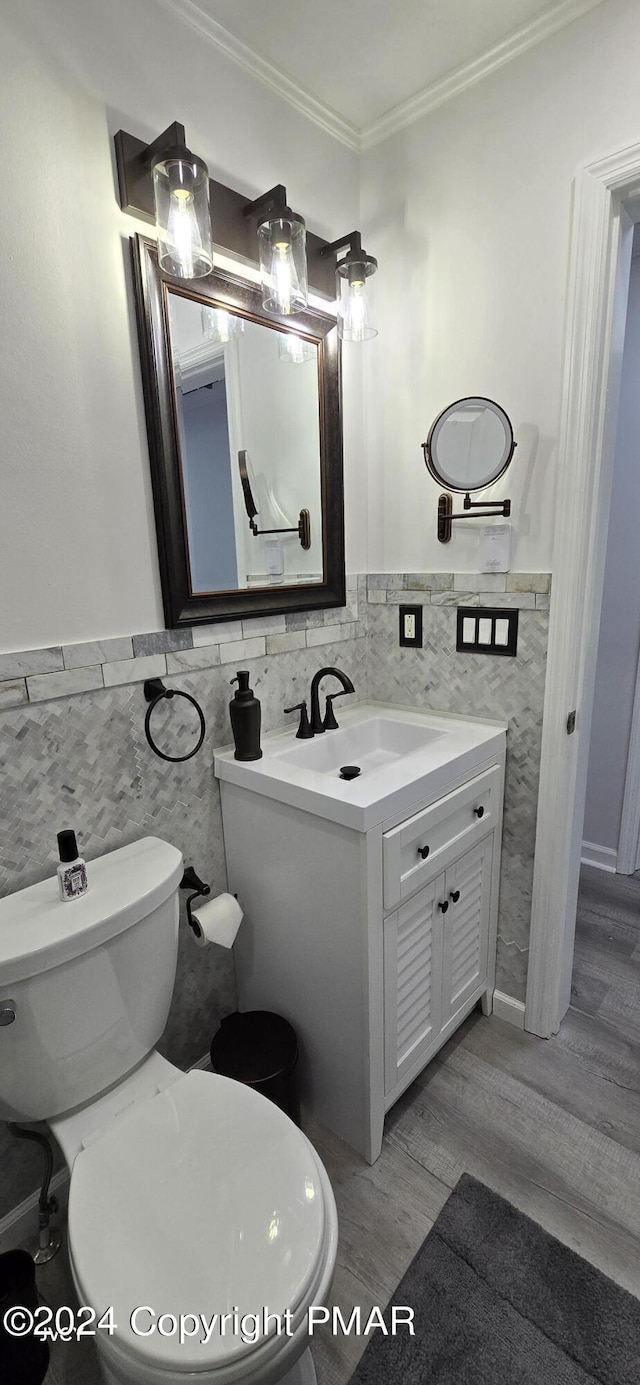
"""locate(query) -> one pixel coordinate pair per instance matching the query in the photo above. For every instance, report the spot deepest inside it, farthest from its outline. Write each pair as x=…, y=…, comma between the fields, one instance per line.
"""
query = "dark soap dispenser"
x=244, y=710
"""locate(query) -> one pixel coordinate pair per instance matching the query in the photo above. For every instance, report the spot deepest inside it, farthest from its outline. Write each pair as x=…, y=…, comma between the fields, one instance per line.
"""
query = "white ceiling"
x=351, y=63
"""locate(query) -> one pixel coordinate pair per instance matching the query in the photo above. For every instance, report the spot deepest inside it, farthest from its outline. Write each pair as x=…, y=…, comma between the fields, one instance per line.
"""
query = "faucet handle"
x=330, y=723
x=304, y=732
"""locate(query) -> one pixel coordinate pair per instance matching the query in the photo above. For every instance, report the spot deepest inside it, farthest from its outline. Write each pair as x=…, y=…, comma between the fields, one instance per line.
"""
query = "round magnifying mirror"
x=470, y=445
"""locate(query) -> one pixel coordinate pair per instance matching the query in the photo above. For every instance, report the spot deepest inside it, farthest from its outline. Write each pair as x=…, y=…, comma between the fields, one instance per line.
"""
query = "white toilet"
x=190, y=1194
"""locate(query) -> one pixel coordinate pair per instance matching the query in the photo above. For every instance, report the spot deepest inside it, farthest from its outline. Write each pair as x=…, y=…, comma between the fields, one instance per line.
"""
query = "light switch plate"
x=411, y=627
x=487, y=630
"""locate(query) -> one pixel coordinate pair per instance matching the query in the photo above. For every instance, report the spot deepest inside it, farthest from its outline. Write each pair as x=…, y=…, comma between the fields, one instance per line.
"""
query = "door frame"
x=606, y=204
x=629, y=840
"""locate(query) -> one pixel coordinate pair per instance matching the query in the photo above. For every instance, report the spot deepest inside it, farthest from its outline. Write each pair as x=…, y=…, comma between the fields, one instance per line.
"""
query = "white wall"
x=468, y=212
x=77, y=541
x=619, y=641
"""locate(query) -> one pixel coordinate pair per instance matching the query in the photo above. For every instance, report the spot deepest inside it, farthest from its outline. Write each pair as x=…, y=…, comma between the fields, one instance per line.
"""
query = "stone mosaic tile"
x=511, y=600
x=184, y=659
x=218, y=633
x=528, y=582
x=134, y=670
x=161, y=642
x=282, y=644
x=513, y=689
x=263, y=625
x=480, y=581
x=242, y=650
x=43, y=686
x=429, y=581
x=330, y=634
x=304, y=620
x=97, y=652
x=31, y=661
x=382, y=580
x=13, y=694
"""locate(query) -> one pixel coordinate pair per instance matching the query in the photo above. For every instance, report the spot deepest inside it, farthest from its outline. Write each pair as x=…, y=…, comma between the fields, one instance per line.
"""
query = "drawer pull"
x=454, y=895
x=444, y=905
x=423, y=851
x=479, y=812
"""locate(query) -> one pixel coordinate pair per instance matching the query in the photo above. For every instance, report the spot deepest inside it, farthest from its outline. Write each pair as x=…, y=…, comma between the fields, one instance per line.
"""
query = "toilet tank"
x=90, y=979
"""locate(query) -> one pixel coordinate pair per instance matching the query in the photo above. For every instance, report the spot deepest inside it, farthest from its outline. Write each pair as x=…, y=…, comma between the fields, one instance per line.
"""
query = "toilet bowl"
x=196, y=1207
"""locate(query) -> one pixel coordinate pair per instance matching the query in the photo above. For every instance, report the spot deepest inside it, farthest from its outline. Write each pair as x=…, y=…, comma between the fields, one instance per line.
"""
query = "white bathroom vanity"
x=370, y=904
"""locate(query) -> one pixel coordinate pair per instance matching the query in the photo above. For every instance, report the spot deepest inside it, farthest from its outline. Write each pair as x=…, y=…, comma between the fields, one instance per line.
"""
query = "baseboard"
x=602, y=857
x=21, y=1224
x=506, y=1008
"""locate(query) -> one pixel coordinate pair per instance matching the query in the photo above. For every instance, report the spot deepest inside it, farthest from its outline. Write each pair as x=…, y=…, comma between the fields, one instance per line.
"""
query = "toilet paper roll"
x=217, y=921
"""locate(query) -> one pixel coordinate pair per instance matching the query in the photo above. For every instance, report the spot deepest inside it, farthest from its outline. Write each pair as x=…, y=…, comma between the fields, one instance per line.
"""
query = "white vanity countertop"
x=405, y=757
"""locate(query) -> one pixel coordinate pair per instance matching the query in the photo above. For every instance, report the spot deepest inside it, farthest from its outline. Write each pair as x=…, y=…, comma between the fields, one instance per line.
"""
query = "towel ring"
x=154, y=691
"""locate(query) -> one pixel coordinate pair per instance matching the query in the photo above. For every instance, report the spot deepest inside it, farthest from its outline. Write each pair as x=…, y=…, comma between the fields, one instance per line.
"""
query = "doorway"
x=612, y=807
x=606, y=961
x=606, y=207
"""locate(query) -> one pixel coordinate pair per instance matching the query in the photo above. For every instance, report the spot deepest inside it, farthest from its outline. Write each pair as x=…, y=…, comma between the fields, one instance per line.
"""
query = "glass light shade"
x=355, y=301
x=183, y=219
x=283, y=264
x=295, y=349
x=219, y=325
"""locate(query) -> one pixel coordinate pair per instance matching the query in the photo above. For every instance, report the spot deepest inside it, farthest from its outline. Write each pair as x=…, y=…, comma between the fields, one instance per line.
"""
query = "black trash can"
x=23, y=1360
x=261, y=1050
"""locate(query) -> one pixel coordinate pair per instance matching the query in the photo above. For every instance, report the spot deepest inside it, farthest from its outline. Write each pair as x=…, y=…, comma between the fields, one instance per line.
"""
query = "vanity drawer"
x=430, y=840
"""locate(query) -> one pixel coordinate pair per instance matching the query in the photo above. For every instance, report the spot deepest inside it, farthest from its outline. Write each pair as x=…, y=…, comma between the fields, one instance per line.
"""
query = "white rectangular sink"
x=402, y=756
x=365, y=745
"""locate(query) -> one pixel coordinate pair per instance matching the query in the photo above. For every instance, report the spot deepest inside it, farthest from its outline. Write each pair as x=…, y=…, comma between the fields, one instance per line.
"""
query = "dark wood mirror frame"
x=181, y=605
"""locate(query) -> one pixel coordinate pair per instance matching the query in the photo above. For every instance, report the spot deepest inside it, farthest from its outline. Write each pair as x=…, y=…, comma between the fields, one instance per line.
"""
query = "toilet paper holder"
x=191, y=881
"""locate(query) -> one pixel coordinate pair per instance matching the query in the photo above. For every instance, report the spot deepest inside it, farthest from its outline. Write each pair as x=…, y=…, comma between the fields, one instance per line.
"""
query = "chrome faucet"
x=329, y=723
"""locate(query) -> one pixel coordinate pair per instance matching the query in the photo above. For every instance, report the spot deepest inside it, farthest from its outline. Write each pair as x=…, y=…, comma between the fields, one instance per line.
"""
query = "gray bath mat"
x=498, y=1301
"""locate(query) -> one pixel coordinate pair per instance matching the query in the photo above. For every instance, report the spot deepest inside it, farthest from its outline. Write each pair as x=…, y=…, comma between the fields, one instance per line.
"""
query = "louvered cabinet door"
x=412, y=981
x=466, y=926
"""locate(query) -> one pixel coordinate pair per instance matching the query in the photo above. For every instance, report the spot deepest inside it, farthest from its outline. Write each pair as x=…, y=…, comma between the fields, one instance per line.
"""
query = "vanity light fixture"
x=166, y=185
x=354, y=306
x=176, y=182
x=282, y=247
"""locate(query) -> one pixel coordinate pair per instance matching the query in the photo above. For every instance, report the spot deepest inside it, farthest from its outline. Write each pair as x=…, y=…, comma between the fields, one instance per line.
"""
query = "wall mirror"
x=245, y=443
x=470, y=445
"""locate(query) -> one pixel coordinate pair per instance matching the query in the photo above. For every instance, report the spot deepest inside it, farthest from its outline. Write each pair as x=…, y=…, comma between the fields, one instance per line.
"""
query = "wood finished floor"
x=553, y=1126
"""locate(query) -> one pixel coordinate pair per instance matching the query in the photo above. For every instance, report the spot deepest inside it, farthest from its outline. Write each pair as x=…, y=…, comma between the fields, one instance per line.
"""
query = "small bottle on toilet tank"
x=72, y=871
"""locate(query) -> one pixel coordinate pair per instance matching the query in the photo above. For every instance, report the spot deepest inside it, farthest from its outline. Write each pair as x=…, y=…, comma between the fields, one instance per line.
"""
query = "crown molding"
x=527, y=36
x=265, y=72
x=556, y=17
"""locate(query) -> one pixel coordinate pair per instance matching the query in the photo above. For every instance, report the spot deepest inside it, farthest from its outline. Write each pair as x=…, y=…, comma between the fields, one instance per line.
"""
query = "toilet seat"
x=204, y=1198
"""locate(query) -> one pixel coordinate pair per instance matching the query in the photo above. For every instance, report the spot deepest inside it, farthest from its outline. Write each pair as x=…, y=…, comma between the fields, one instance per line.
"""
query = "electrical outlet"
x=411, y=627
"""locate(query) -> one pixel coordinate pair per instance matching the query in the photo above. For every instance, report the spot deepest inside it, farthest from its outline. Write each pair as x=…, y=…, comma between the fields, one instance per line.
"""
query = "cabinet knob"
x=454, y=895
x=444, y=905
x=479, y=812
x=423, y=851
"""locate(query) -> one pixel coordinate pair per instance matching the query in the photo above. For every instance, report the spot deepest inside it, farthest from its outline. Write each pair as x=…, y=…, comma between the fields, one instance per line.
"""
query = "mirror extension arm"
x=488, y=510
x=302, y=528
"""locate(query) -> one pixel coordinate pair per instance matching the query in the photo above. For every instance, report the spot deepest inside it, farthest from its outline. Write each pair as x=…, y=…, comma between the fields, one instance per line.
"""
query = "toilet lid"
x=204, y=1199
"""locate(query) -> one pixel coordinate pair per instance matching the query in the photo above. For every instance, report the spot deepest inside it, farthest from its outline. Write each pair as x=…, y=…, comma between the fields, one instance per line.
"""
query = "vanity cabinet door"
x=466, y=926
x=412, y=981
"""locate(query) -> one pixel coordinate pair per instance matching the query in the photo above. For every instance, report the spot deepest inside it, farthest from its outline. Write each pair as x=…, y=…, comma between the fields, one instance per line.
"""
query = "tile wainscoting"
x=75, y=758
x=74, y=753
x=512, y=688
